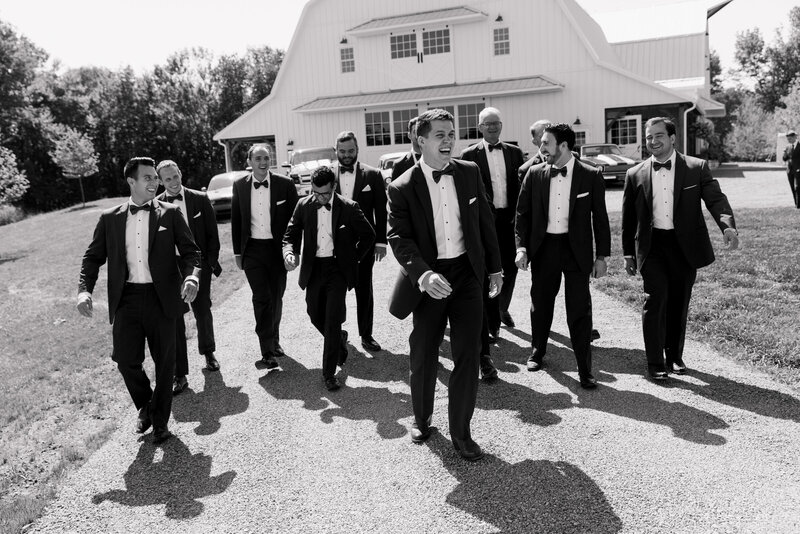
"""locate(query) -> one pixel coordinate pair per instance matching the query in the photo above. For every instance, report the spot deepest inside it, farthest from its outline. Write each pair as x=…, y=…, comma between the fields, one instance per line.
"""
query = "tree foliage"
x=752, y=137
x=13, y=183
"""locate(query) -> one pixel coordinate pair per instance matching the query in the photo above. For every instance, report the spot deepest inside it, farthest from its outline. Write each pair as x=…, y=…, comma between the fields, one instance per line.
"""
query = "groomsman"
x=335, y=236
x=138, y=239
x=442, y=235
x=410, y=159
x=198, y=212
x=561, y=210
x=364, y=185
x=664, y=235
x=791, y=156
x=262, y=204
x=537, y=131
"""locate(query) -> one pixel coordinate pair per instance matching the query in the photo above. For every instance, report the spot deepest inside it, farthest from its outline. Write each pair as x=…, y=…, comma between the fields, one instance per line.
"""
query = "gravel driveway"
x=713, y=451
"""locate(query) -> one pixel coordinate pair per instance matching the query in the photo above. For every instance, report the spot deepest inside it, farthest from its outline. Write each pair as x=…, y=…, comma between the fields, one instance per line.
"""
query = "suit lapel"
x=360, y=179
x=577, y=176
x=336, y=211
x=544, y=176
x=244, y=205
x=189, y=200
x=424, y=196
x=120, y=220
x=647, y=183
x=311, y=224
x=680, y=177
x=155, y=215
x=463, y=198
x=273, y=199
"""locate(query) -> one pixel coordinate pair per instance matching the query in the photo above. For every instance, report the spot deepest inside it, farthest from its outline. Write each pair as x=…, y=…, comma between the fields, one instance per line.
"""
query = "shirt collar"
x=570, y=164
x=427, y=170
x=671, y=159
x=132, y=203
x=269, y=175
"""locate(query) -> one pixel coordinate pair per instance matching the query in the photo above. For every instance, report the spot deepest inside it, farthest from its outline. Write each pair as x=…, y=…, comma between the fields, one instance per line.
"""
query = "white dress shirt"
x=497, y=170
x=137, y=245
x=446, y=214
x=663, y=182
x=260, y=219
x=558, y=203
x=325, y=230
x=347, y=181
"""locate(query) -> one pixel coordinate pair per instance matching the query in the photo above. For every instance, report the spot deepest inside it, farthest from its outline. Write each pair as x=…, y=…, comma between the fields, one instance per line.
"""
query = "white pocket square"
x=162, y=228
x=280, y=202
x=342, y=226
x=689, y=187
x=368, y=188
x=473, y=199
x=583, y=195
x=198, y=215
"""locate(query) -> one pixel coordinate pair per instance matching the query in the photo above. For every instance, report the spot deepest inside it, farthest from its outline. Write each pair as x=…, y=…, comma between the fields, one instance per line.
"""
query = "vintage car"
x=220, y=191
x=386, y=163
x=303, y=161
x=609, y=159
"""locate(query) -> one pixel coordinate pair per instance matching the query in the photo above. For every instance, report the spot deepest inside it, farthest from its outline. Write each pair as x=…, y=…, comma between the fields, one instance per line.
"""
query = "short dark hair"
x=322, y=176
x=412, y=124
x=346, y=136
x=666, y=121
x=425, y=119
x=562, y=132
x=259, y=145
x=167, y=163
x=133, y=165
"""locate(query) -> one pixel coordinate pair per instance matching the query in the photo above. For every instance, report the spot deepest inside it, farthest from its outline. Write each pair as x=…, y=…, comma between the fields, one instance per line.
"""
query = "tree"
x=19, y=60
x=13, y=183
x=752, y=136
x=715, y=72
x=75, y=154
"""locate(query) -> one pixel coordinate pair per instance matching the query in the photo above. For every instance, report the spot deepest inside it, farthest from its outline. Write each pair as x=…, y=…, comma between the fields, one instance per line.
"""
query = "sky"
x=143, y=33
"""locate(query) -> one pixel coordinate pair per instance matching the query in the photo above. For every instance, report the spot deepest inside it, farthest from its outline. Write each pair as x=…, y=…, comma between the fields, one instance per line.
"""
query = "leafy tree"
x=13, y=183
x=787, y=117
x=19, y=60
x=74, y=153
x=752, y=137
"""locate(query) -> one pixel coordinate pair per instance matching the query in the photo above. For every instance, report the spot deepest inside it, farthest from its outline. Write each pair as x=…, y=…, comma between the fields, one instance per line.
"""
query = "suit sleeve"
x=94, y=257
x=401, y=236
x=715, y=200
x=488, y=232
x=522, y=224
x=629, y=217
x=294, y=232
x=187, y=248
x=600, y=225
x=236, y=220
x=379, y=194
x=363, y=231
x=212, y=234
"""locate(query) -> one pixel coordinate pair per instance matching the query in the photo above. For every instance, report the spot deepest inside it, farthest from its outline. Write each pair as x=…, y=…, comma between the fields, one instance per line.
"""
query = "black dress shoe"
x=588, y=382
x=488, y=370
x=278, y=351
x=419, y=435
x=161, y=434
x=468, y=449
x=493, y=336
x=677, y=367
x=332, y=383
x=656, y=374
x=534, y=364
x=507, y=320
x=269, y=361
x=211, y=362
x=595, y=334
x=143, y=422
x=179, y=384
x=370, y=344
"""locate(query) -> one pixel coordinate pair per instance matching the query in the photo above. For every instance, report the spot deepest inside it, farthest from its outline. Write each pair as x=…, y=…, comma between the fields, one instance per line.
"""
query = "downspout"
x=227, y=156
x=686, y=127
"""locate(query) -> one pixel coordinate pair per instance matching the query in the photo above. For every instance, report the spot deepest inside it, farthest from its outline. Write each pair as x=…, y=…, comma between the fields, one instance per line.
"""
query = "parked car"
x=303, y=161
x=609, y=159
x=220, y=191
x=386, y=163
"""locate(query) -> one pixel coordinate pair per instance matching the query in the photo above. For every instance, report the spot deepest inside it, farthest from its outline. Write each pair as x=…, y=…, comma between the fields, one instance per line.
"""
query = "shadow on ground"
x=209, y=405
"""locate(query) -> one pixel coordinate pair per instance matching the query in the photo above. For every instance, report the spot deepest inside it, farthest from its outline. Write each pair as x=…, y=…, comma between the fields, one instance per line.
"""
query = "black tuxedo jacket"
x=587, y=213
x=353, y=237
x=203, y=224
x=283, y=199
x=370, y=193
x=693, y=183
x=513, y=159
x=403, y=165
x=167, y=230
x=792, y=158
x=412, y=234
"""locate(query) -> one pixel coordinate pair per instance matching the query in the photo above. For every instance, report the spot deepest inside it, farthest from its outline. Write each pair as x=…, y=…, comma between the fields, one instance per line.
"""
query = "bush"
x=13, y=183
x=11, y=214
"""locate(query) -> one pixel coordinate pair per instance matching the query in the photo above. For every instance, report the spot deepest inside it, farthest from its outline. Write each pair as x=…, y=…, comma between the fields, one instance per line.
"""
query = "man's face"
x=490, y=126
x=414, y=141
x=144, y=184
x=659, y=142
x=322, y=194
x=347, y=152
x=536, y=136
x=171, y=179
x=259, y=161
x=437, y=146
x=551, y=150
x=791, y=139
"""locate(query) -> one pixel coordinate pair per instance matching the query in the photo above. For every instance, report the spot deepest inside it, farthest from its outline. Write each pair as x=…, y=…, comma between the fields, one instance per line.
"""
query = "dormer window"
x=348, y=59
x=502, y=42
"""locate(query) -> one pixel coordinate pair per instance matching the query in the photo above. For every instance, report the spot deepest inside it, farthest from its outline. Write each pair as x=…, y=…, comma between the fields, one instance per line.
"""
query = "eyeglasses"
x=492, y=124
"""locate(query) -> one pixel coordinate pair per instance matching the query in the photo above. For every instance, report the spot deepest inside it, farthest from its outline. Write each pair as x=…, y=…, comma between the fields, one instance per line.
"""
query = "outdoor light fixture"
x=499, y=18
x=290, y=142
x=343, y=41
x=577, y=121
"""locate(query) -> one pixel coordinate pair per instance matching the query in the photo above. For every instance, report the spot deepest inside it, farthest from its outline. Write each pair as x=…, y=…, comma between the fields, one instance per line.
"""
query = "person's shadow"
x=532, y=495
x=209, y=406
x=178, y=481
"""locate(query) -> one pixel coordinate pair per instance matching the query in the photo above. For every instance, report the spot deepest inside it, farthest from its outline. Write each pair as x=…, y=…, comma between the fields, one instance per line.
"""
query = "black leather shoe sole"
x=534, y=366
x=179, y=385
x=211, y=363
x=488, y=374
x=142, y=425
x=588, y=383
x=470, y=454
x=419, y=436
x=332, y=384
x=160, y=435
x=658, y=375
x=370, y=344
x=269, y=362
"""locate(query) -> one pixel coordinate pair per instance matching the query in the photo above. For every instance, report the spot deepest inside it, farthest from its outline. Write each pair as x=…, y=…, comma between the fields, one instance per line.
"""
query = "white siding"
x=668, y=58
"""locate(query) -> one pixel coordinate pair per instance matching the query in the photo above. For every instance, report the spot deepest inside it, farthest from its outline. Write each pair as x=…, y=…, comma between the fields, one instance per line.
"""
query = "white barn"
x=371, y=65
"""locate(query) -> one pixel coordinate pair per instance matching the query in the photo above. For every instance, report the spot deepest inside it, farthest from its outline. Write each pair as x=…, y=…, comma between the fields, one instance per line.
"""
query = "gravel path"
x=713, y=451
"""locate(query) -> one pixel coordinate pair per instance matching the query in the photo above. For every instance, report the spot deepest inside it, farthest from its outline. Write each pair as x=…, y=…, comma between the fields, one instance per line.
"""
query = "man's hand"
x=600, y=268
x=495, y=284
x=238, y=259
x=630, y=266
x=189, y=290
x=85, y=304
x=521, y=261
x=290, y=262
x=730, y=239
x=380, y=253
x=436, y=286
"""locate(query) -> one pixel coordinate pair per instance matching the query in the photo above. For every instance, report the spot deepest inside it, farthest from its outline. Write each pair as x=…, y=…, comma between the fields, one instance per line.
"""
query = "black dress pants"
x=365, y=303
x=464, y=309
x=263, y=266
x=140, y=318
x=504, y=225
x=325, y=304
x=204, y=320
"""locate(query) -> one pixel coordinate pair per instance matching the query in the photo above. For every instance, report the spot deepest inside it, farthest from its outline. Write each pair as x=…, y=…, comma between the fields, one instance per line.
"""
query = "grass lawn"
x=60, y=394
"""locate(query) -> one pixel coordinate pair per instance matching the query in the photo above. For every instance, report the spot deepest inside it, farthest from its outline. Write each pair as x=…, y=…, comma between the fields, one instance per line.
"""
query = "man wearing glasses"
x=335, y=236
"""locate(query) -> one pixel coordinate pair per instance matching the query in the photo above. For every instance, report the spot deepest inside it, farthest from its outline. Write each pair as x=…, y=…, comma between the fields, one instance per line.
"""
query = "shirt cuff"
x=522, y=249
x=194, y=278
x=628, y=257
x=84, y=294
x=382, y=245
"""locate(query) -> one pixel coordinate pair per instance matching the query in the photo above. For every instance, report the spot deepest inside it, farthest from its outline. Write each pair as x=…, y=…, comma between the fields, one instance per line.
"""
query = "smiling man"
x=138, y=239
x=442, y=233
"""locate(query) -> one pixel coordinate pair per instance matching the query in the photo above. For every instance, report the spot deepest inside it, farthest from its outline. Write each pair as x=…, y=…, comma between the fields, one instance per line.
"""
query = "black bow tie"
x=326, y=206
x=658, y=166
x=437, y=175
x=555, y=172
x=343, y=169
x=146, y=207
x=173, y=199
x=258, y=184
x=496, y=146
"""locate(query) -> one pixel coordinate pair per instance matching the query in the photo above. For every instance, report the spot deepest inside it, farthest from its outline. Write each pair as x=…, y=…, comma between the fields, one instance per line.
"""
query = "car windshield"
x=601, y=149
x=313, y=155
x=218, y=182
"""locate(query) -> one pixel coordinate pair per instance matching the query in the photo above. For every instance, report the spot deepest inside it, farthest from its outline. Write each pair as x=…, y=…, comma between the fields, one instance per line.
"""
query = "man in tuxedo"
x=262, y=204
x=145, y=286
x=442, y=233
x=664, y=236
x=198, y=213
x=561, y=210
x=365, y=185
x=410, y=159
x=537, y=131
x=336, y=237
x=791, y=155
x=498, y=163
